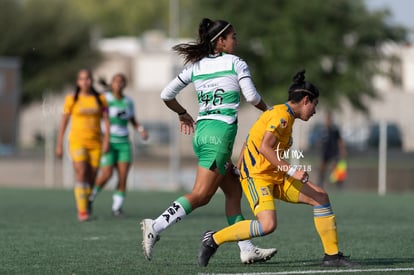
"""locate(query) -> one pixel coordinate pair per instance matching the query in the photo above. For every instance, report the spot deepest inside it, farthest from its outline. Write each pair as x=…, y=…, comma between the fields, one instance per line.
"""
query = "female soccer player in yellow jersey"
x=266, y=176
x=85, y=108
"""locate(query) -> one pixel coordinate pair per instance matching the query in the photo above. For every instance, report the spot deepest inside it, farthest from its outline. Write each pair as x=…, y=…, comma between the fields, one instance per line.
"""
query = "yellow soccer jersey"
x=86, y=117
x=279, y=121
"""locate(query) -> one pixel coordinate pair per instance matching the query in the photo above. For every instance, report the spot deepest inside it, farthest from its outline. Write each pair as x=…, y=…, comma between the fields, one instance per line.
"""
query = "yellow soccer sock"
x=88, y=191
x=81, y=197
x=242, y=230
x=326, y=227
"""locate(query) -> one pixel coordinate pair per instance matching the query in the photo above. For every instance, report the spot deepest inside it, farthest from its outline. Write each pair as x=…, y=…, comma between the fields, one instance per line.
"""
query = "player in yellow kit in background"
x=85, y=108
x=266, y=176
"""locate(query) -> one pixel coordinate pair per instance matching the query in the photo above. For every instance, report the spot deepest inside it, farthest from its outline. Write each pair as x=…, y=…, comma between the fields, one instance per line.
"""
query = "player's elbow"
x=254, y=100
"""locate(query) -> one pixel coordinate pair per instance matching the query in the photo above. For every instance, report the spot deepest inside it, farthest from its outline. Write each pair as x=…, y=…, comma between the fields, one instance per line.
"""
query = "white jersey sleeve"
x=177, y=84
x=246, y=84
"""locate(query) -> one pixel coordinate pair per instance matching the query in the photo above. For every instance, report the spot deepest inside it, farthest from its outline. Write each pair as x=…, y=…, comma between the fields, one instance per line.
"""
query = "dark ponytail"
x=75, y=98
x=208, y=33
x=301, y=88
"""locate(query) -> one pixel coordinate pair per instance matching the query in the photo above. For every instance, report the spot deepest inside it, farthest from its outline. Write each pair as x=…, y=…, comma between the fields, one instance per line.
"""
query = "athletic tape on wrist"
x=291, y=171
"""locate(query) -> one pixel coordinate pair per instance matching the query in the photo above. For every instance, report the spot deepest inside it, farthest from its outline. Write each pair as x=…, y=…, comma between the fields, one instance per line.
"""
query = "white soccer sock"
x=246, y=245
x=117, y=201
x=170, y=216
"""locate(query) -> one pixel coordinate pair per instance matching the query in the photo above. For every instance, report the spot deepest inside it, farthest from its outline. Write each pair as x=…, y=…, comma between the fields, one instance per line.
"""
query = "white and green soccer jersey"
x=218, y=81
x=120, y=112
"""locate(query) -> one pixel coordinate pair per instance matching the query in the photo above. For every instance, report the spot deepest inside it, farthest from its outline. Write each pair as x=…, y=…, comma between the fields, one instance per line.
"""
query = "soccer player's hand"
x=59, y=152
x=105, y=147
x=144, y=135
x=187, y=124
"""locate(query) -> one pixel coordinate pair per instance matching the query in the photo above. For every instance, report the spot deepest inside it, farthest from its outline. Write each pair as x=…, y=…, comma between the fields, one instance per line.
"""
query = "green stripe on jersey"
x=213, y=75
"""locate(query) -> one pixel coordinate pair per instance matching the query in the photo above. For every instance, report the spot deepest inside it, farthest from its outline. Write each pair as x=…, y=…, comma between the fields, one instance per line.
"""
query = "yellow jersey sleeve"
x=68, y=104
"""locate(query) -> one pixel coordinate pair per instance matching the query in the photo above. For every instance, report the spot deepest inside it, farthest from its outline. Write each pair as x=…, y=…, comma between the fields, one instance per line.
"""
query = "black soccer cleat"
x=338, y=260
x=207, y=249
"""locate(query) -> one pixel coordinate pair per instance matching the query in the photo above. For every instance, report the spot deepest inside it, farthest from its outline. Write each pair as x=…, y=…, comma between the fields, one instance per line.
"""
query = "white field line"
x=320, y=271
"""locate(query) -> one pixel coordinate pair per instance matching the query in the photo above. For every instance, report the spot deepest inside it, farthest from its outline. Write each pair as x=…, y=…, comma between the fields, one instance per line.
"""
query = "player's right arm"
x=169, y=94
x=59, y=144
x=186, y=121
x=67, y=111
x=266, y=149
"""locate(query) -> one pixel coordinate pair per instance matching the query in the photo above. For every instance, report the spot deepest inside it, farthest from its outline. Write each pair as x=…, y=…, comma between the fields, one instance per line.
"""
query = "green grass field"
x=39, y=234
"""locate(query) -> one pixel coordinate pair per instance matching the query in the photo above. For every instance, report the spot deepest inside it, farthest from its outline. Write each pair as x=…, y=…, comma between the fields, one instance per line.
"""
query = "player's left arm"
x=247, y=86
x=106, y=124
x=105, y=141
x=140, y=129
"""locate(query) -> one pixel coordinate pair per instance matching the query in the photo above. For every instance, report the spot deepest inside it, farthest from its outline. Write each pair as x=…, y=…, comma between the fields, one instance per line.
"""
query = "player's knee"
x=232, y=190
x=198, y=200
x=268, y=226
x=322, y=197
x=204, y=200
x=233, y=196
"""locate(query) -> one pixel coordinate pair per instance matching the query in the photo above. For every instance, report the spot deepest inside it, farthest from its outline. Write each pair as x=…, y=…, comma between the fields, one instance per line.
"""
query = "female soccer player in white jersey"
x=219, y=77
x=121, y=112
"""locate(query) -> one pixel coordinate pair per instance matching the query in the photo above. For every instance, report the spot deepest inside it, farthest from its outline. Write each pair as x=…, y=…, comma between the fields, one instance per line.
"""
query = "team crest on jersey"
x=265, y=191
x=283, y=123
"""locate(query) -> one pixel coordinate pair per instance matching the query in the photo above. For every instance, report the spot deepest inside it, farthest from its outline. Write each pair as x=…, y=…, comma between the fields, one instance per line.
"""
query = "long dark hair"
x=208, y=33
x=93, y=90
x=301, y=88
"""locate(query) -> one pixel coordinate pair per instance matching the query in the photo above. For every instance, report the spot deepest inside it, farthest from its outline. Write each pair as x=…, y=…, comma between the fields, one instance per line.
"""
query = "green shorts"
x=213, y=143
x=118, y=152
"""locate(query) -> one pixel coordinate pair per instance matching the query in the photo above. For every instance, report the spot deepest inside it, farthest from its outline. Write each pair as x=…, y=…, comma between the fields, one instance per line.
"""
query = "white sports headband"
x=219, y=33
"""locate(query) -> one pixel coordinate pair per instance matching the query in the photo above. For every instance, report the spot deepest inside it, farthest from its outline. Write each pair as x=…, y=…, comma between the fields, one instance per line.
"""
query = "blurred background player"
x=218, y=77
x=85, y=108
x=121, y=111
x=333, y=149
x=266, y=176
